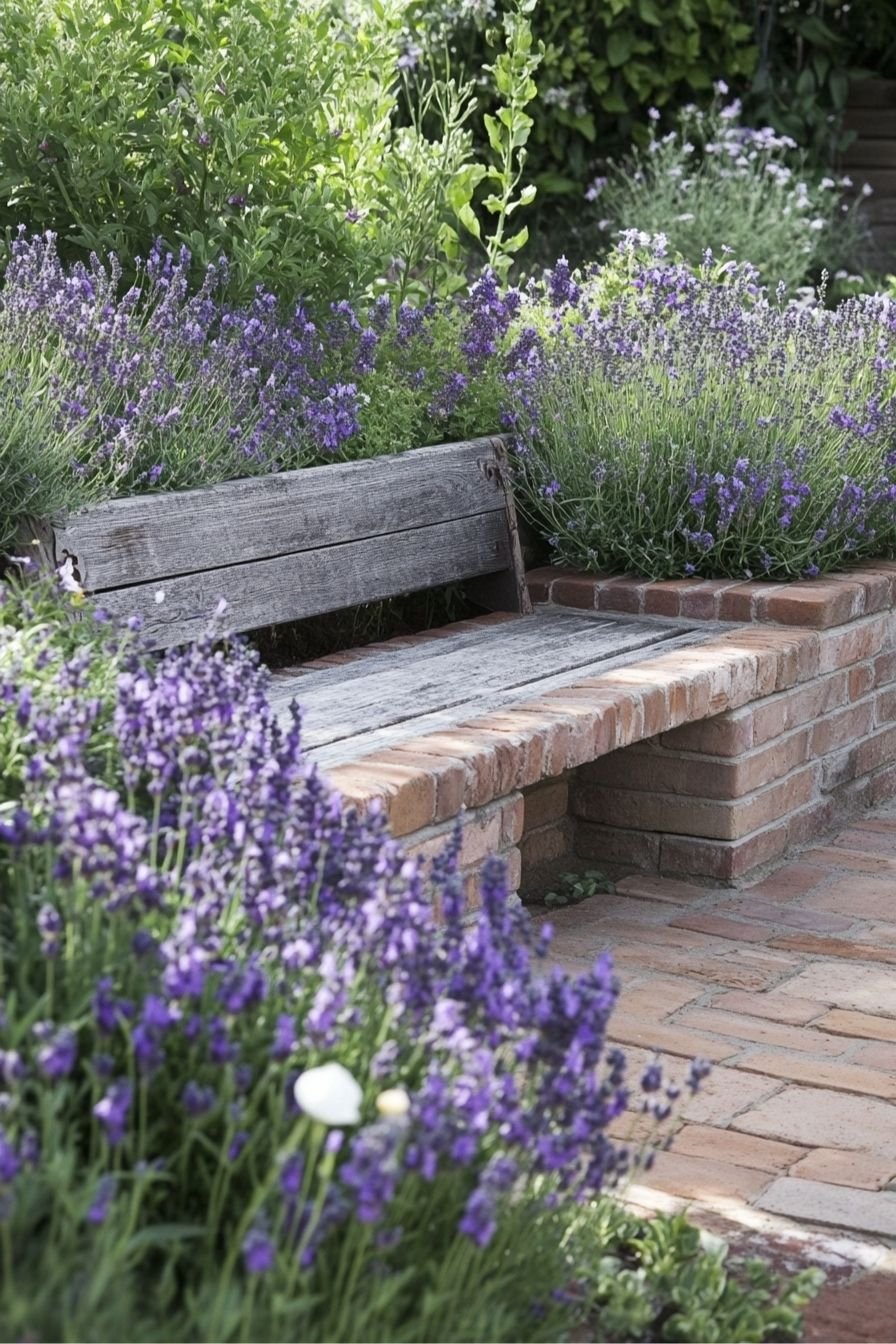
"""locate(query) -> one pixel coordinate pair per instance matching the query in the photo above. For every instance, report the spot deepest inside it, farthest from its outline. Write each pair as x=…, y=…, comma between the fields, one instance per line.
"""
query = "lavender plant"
x=687, y=422
x=252, y=1087
x=106, y=390
x=710, y=181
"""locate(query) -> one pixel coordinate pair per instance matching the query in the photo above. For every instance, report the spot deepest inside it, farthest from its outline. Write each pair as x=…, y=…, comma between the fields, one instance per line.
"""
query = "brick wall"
x=709, y=761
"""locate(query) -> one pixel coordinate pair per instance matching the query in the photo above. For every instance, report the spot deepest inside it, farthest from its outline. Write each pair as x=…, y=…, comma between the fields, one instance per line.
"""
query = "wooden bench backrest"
x=293, y=544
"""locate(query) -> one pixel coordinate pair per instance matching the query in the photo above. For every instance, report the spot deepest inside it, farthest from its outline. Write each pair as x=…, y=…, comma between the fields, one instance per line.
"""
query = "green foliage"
x=604, y=62
x=712, y=183
x=658, y=1280
x=571, y=888
x=261, y=129
x=809, y=51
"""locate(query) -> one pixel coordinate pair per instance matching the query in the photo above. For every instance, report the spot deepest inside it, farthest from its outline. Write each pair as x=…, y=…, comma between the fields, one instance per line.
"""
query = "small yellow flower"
x=394, y=1103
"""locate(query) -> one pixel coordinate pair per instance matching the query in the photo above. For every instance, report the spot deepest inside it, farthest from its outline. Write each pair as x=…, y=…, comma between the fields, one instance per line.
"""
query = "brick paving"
x=789, y=988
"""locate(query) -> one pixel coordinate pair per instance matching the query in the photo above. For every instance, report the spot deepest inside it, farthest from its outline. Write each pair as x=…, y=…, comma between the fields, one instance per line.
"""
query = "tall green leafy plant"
x=261, y=129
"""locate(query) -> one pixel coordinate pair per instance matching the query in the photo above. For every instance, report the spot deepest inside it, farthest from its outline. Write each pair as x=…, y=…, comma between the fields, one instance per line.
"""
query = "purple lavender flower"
x=113, y=1110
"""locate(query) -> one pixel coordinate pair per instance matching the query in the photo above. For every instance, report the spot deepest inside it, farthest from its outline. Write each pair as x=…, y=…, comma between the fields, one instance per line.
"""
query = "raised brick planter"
x=705, y=762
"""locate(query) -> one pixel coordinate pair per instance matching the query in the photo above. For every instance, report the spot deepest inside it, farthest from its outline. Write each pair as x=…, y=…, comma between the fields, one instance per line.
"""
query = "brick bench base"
x=708, y=762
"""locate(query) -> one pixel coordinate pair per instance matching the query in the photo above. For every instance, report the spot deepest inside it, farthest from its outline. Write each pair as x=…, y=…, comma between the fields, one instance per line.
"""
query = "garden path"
x=789, y=988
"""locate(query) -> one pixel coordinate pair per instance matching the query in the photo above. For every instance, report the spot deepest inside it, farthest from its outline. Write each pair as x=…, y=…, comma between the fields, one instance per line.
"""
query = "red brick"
x=512, y=819
x=816, y=946
x=575, y=591
x=479, y=754
x=539, y=582
x=706, y=1180
x=610, y=844
x=877, y=1055
x=737, y=604
x=621, y=594
x=791, y=709
x=664, y=598
x=762, y=1031
x=667, y=1039
x=663, y=889
x=744, y=1150
x=884, y=668
x=787, y=1008
x=547, y=845
x=518, y=743
x=794, y=917
x=721, y=778
x=546, y=802
x=842, y=727
x=795, y=879
x=720, y=859
x=709, y=819
x=658, y=996
x=727, y=734
x=853, y=644
x=702, y=603
x=408, y=794
x=721, y=927
x=850, y=1023
x=823, y=1073
x=861, y=1171
x=861, y=680
x=877, y=750
x=814, y=604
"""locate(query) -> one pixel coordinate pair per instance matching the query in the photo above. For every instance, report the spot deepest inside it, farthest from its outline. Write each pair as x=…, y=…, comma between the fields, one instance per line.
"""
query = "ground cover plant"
x=252, y=1086
x=685, y=421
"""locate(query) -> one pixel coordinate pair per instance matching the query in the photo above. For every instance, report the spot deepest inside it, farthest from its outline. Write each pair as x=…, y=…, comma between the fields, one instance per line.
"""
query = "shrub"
x=106, y=392
x=265, y=131
x=686, y=422
x=712, y=182
x=604, y=61
x=253, y=1087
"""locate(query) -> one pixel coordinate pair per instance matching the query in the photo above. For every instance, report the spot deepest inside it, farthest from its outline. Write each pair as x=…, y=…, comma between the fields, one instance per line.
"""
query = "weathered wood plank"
x=506, y=659
x=287, y=588
x=364, y=744
x=555, y=624
x=146, y=538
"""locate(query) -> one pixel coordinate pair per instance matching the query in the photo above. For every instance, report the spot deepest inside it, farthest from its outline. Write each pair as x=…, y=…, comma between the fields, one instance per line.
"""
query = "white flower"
x=159, y=596
x=828, y=183
x=67, y=580
x=394, y=1103
x=867, y=189
x=329, y=1094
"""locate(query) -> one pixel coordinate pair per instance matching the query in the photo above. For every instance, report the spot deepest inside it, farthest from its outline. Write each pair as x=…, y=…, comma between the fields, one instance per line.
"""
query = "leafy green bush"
x=262, y=129
x=604, y=62
x=711, y=182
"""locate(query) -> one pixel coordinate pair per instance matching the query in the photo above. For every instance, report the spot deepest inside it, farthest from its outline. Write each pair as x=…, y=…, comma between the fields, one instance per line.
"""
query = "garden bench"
x=696, y=728
x=285, y=546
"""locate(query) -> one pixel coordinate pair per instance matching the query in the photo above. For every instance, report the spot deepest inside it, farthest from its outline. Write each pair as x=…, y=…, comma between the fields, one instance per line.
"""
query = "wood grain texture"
x=145, y=538
x=290, y=587
x=387, y=697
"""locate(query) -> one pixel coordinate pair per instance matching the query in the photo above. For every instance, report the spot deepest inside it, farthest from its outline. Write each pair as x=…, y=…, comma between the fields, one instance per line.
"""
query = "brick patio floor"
x=789, y=988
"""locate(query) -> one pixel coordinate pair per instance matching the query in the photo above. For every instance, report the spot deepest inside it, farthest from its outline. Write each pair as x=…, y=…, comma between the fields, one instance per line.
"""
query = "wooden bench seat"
x=401, y=693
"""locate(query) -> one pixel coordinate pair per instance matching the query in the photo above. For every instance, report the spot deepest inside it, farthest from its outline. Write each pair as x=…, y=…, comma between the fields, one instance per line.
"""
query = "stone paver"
x=833, y=1205
x=789, y=988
